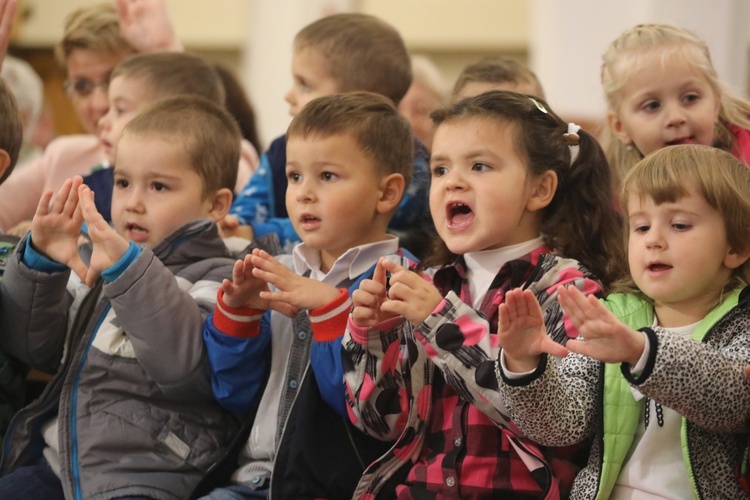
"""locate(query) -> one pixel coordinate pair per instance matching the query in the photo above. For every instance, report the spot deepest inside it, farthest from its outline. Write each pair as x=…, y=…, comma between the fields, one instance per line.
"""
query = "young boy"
x=130, y=412
x=496, y=73
x=139, y=81
x=349, y=157
x=339, y=53
x=11, y=138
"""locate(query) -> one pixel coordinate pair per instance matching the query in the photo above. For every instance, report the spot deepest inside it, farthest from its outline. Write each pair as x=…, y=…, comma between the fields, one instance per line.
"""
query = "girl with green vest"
x=656, y=376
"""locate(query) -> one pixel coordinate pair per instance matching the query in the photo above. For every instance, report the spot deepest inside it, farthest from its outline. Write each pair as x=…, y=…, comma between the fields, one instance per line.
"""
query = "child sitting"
x=662, y=89
x=135, y=83
x=657, y=375
x=519, y=198
x=130, y=410
x=349, y=157
x=339, y=53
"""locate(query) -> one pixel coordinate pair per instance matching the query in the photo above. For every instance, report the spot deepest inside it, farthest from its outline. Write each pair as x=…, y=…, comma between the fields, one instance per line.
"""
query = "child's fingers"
x=42, y=207
x=71, y=202
x=62, y=195
x=551, y=347
x=380, y=275
x=362, y=298
x=372, y=287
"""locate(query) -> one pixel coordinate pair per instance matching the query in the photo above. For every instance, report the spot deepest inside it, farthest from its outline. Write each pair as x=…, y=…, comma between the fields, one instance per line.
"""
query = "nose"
x=675, y=115
x=304, y=192
x=289, y=98
x=133, y=200
x=104, y=123
x=99, y=102
x=454, y=180
x=655, y=237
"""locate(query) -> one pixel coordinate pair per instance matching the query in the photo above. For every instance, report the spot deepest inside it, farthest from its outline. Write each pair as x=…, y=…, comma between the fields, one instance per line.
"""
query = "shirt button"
x=457, y=442
x=450, y=481
x=293, y=384
x=302, y=335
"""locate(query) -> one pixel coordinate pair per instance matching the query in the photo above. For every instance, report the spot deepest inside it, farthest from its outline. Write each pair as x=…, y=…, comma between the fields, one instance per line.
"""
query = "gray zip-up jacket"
x=136, y=414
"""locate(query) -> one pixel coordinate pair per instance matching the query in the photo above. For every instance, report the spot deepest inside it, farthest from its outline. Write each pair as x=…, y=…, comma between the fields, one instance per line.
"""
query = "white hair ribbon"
x=573, y=141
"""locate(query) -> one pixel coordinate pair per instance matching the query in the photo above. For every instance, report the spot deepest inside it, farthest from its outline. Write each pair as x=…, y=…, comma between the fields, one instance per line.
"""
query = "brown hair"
x=721, y=179
x=11, y=131
x=205, y=131
x=171, y=74
x=498, y=69
x=381, y=132
x=95, y=28
x=239, y=106
x=580, y=222
x=363, y=53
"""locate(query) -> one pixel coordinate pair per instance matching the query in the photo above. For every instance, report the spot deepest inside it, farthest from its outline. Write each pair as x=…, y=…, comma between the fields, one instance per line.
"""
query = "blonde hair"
x=721, y=179
x=623, y=56
x=95, y=28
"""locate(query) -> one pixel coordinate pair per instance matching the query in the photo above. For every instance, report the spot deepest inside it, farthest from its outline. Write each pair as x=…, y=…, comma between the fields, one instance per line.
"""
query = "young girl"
x=658, y=380
x=662, y=89
x=519, y=198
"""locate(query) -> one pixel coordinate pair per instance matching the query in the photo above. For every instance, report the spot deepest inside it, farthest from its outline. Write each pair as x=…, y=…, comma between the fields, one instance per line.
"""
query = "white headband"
x=573, y=140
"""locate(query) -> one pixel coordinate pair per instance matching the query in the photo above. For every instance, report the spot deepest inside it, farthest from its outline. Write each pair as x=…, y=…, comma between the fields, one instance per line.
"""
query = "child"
x=519, y=198
x=130, y=411
x=349, y=158
x=11, y=138
x=427, y=92
x=339, y=53
x=644, y=379
x=662, y=89
x=496, y=73
x=135, y=83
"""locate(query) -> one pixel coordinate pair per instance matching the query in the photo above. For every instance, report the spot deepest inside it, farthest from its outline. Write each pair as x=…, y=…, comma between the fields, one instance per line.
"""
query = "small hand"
x=244, y=289
x=7, y=12
x=109, y=247
x=146, y=25
x=409, y=295
x=55, y=227
x=294, y=292
x=607, y=339
x=369, y=298
x=230, y=226
x=521, y=332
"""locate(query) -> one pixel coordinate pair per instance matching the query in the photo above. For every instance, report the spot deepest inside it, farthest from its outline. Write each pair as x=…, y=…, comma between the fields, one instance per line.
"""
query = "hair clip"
x=539, y=105
x=572, y=138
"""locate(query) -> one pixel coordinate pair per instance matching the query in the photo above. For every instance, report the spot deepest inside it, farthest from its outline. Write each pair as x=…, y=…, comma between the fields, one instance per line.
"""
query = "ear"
x=391, y=191
x=735, y=259
x=616, y=126
x=220, y=202
x=4, y=162
x=542, y=191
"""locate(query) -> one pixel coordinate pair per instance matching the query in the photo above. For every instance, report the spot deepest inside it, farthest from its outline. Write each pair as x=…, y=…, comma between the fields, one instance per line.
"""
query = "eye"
x=680, y=226
x=439, y=171
x=293, y=177
x=642, y=228
x=121, y=183
x=651, y=106
x=480, y=167
x=691, y=98
x=328, y=176
x=159, y=186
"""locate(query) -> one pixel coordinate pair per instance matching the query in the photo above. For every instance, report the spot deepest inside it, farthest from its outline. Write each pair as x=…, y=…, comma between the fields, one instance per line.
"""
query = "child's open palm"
x=607, y=339
x=56, y=226
x=521, y=331
x=244, y=289
x=108, y=246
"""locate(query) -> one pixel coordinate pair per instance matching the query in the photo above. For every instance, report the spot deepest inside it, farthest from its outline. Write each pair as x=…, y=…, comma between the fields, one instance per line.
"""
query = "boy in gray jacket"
x=130, y=412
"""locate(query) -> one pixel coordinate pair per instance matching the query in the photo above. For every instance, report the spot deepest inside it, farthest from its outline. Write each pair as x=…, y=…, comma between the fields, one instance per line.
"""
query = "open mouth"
x=307, y=218
x=459, y=214
x=658, y=266
x=135, y=229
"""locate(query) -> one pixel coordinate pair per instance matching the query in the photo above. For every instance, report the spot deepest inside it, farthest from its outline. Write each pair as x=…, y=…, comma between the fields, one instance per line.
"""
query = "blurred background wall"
x=562, y=40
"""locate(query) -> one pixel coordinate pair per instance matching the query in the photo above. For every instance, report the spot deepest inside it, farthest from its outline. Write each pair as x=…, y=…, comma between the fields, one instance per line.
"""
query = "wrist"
x=520, y=364
x=635, y=349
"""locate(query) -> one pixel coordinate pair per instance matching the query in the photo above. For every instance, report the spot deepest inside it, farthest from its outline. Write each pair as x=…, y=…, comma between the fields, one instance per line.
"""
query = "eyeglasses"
x=83, y=88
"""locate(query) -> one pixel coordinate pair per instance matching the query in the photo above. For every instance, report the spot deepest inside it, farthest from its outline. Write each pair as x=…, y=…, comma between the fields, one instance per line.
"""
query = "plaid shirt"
x=451, y=422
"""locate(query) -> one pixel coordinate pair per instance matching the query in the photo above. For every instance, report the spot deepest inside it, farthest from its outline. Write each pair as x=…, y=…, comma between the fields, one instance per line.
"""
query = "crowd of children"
x=515, y=312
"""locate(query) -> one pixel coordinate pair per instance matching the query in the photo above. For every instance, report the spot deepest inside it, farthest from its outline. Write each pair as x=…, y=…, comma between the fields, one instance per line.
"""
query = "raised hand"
x=294, y=292
x=55, y=227
x=244, y=289
x=7, y=12
x=146, y=25
x=369, y=298
x=409, y=294
x=108, y=246
x=521, y=332
x=607, y=339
